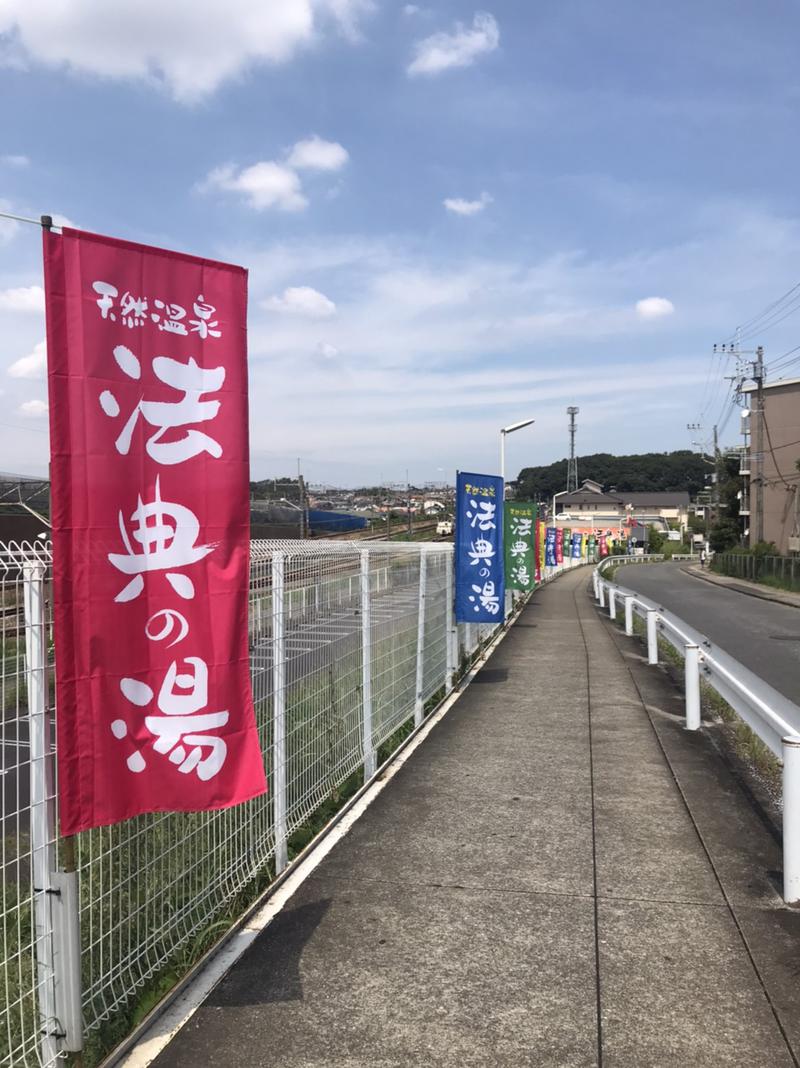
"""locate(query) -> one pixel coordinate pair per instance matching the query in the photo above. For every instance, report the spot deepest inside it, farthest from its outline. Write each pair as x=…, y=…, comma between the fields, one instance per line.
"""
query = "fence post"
x=602, y=595
x=596, y=586
x=692, y=685
x=423, y=580
x=42, y=826
x=652, y=636
x=629, y=616
x=279, y=710
x=66, y=922
x=450, y=624
x=791, y=819
x=612, y=603
x=366, y=668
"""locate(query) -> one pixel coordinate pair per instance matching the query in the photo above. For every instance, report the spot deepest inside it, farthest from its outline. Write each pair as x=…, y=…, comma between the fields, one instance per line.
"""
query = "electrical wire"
x=772, y=449
x=782, y=362
x=17, y=426
x=750, y=325
x=768, y=323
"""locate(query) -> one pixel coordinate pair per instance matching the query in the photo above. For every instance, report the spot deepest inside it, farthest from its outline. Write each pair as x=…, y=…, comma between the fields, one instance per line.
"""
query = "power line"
x=771, y=449
x=17, y=426
x=782, y=362
x=750, y=324
x=768, y=324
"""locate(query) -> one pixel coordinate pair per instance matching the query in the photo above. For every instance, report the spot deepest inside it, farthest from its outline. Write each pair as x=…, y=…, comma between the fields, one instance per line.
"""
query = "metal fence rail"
x=783, y=571
x=771, y=716
x=348, y=643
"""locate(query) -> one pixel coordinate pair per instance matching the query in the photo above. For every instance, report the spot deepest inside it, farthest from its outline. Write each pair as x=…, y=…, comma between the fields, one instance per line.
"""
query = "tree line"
x=662, y=472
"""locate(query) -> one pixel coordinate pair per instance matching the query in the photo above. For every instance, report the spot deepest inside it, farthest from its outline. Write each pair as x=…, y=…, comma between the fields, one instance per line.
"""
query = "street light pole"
x=509, y=430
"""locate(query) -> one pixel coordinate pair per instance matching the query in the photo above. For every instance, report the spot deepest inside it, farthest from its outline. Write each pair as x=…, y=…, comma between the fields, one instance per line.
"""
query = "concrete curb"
x=741, y=587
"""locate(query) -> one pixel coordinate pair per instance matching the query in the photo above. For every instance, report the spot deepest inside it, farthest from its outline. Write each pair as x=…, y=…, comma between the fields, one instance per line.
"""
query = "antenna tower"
x=572, y=467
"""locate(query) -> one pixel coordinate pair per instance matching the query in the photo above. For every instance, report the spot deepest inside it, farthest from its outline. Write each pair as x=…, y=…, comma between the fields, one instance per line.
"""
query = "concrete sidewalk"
x=559, y=876
x=752, y=589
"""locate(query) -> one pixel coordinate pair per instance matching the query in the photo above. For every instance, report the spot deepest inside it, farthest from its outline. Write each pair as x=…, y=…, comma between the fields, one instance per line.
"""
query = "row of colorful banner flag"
x=501, y=545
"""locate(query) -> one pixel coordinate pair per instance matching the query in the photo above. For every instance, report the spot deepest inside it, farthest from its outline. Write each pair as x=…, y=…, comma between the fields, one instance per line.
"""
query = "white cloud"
x=33, y=409
x=264, y=185
x=459, y=206
x=328, y=351
x=303, y=301
x=316, y=154
x=271, y=184
x=190, y=46
x=654, y=308
x=15, y=161
x=22, y=299
x=445, y=51
x=31, y=366
x=411, y=9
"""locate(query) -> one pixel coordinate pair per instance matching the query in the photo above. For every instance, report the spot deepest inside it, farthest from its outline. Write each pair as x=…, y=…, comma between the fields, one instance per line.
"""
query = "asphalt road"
x=763, y=635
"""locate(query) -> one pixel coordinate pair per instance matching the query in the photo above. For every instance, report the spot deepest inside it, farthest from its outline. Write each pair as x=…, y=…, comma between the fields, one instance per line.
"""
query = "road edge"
x=738, y=587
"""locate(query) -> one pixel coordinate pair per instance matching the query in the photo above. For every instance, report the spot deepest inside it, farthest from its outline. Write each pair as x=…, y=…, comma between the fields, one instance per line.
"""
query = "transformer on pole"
x=572, y=467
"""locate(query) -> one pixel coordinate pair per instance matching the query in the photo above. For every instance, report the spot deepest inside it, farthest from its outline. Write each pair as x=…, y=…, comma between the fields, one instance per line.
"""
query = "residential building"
x=591, y=505
x=777, y=429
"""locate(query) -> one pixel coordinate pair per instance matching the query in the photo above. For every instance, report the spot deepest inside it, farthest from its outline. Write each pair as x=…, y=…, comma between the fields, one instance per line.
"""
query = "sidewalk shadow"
x=491, y=676
x=270, y=969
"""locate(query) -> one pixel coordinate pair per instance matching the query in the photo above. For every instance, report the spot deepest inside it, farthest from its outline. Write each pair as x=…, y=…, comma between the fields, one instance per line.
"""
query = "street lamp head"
x=517, y=426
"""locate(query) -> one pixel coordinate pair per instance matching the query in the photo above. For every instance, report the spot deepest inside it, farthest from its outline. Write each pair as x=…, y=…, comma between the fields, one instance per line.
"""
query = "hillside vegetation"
x=662, y=471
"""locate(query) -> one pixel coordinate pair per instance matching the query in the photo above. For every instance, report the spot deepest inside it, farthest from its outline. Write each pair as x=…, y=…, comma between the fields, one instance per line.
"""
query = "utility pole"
x=758, y=375
x=757, y=451
x=572, y=466
x=408, y=505
x=303, y=512
x=717, y=473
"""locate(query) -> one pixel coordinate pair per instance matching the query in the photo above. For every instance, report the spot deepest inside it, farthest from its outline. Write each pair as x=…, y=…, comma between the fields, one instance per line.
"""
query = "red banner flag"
x=147, y=362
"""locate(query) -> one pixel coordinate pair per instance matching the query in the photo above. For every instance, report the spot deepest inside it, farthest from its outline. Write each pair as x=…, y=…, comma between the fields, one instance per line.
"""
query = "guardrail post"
x=791, y=820
x=366, y=668
x=279, y=711
x=596, y=584
x=602, y=595
x=652, y=636
x=423, y=570
x=629, y=616
x=692, y=683
x=612, y=603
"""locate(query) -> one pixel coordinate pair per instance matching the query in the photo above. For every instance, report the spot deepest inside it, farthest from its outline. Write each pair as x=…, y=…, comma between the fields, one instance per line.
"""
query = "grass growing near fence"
x=17, y=933
x=777, y=572
x=745, y=743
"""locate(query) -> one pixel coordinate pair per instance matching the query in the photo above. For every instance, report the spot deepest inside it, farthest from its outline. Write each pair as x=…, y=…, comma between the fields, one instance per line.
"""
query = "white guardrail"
x=771, y=716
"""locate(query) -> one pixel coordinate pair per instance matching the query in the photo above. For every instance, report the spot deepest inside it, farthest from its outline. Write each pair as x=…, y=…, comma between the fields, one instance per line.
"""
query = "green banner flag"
x=519, y=521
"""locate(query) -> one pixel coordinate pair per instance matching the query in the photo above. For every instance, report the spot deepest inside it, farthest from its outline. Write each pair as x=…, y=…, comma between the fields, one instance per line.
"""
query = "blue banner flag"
x=480, y=585
x=550, y=547
x=576, y=545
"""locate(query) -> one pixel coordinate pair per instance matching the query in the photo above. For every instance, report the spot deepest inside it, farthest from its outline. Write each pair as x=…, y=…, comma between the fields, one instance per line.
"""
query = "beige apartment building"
x=778, y=432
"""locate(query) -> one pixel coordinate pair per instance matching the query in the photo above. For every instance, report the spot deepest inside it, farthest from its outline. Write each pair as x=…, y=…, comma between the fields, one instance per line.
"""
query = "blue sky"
x=454, y=218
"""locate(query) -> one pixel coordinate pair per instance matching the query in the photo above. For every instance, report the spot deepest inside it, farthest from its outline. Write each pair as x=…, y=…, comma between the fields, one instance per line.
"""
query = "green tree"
x=661, y=472
x=655, y=540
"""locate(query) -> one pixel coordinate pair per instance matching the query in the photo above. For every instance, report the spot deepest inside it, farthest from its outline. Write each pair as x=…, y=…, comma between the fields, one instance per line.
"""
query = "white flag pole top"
x=45, y=221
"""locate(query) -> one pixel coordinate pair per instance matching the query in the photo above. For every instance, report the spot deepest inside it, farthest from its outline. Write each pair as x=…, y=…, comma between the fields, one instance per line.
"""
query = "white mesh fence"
x=348, y=644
